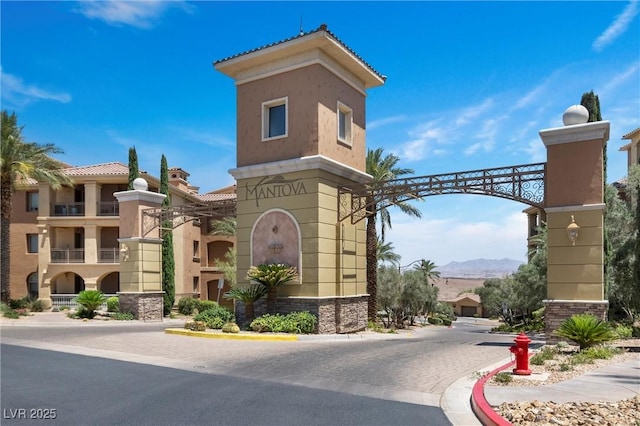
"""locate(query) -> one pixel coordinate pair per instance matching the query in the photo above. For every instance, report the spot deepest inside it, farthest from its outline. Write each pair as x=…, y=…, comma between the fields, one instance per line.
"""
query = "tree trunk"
x=272, y=299
x=249, y=312
x=5, y=259
x=372, y=268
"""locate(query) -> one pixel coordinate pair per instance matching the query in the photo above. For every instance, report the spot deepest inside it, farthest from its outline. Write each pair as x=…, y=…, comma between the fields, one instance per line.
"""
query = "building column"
x=140, y=256
x=91, y=198
x=574, y=193
x=90, y=244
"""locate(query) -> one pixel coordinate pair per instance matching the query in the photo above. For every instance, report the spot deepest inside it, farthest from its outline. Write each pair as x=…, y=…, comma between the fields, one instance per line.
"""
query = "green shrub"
x=204, y=305
x=187, y=305
x=624, y=331
x=195, y=325
x=586, y=330
x=597, y=352
x=547, y=353
x=122, y=316
x=113, y=304
x=503, y=377
x=81, y=312
x=11, y=314
x=295, y=322
x=214, y=317
x=565, y=367
x=635, y=331
x=230, y=327
x=446, y=321
x=90, y=300
x=36, y=305
x=19, y=303
x=434, y=320
x=503, y=328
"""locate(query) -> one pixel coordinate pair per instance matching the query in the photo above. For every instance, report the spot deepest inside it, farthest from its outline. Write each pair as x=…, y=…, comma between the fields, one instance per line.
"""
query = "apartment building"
x=65, y=241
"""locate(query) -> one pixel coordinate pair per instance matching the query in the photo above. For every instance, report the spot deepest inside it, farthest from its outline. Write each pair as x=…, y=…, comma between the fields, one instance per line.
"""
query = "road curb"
x=479, y=404
x=231, y=336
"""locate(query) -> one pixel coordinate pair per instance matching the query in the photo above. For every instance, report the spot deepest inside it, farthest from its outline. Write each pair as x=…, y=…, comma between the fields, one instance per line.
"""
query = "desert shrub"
x=446, y=321
x=503, y=377
x=204, y=305
x=586, y=330
x=589, y=355
x=502, y=328
x=635, y=331
x=90, y=301
x=122, y=316
x=81, y=312
x=434, y=320
x=547, y=353
x=113, y=304
x=230, y=327
x=214, y=317
x=445, y=310
x=187, y=305
x=374, y=326
x=624, y=331
x=36, y=305
x=295, y=322
x=12, y=314
x=22, y=303
x=195, y=325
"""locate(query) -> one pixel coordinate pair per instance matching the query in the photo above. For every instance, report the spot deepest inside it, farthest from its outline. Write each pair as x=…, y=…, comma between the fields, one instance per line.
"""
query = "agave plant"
x=248, y=296
x=586, y=330
x=272, y=276
x=90, y=300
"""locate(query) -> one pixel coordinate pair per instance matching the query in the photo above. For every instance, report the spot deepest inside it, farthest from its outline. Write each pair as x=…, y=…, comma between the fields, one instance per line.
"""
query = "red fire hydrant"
x=521, y=351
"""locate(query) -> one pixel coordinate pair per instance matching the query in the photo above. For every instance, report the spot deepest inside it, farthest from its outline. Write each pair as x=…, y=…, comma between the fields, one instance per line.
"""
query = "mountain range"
x=479, y=268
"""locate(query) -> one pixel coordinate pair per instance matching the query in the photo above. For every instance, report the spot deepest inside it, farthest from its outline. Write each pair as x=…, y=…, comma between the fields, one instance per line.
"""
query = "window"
x=196, y=284
x=32, y=201
x=196, y=251
x=345, y=118
x=274, y=119
x=32, y=243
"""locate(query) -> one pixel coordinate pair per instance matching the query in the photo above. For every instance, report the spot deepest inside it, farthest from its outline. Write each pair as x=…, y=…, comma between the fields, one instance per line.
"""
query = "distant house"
x=66, y=241
x=467, y=305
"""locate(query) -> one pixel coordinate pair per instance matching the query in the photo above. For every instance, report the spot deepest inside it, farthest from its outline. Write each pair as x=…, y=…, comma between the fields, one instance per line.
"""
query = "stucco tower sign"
x=301, y=135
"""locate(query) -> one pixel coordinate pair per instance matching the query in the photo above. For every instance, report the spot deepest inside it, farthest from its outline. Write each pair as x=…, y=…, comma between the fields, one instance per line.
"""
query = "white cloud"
x=473, y=112
x=445, y=240
x=384, y=121
x=617, y=27
x=16, y=93
x=139, y=14
x=536, y=150
x=617, y=80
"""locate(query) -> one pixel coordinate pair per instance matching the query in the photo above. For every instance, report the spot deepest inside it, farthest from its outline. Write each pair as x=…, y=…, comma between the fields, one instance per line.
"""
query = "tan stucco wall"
x=321, y=249
x=22, y=263
x=142, y=271
x=313, y=93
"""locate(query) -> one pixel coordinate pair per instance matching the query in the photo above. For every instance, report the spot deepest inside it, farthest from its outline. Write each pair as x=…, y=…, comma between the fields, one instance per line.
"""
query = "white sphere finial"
x=575, y=114
x=139, y=184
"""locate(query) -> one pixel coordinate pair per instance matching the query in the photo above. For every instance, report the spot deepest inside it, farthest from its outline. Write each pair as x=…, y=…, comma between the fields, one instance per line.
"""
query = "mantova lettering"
x=275, y=187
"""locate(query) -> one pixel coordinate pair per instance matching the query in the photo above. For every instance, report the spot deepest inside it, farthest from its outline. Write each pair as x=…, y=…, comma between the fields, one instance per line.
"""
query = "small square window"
x=274, y=119
x=345, y=119
x=196, y=248
x=32, y=243
x=32, y=201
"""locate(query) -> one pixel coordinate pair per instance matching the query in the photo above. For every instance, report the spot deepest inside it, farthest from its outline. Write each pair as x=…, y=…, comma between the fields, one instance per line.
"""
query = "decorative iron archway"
x=524, y=183
x=172, y=217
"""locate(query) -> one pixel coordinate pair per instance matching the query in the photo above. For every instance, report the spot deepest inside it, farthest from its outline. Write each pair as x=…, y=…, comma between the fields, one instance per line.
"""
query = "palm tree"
x=19, y=161
x=428, y=270
x=381, y=169
x=385, y=253
x=272, y=276
x=248, y=296
x=225, y=227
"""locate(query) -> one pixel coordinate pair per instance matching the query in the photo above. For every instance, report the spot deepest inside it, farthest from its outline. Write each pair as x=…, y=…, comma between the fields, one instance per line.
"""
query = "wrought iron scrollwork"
x=172, y=217
x=523, y=183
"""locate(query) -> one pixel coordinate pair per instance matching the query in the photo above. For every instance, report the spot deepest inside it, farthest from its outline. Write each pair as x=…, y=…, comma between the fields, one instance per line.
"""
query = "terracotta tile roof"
x=113, y=168
x=215, y=197
x=322, y=27
x=471, y=296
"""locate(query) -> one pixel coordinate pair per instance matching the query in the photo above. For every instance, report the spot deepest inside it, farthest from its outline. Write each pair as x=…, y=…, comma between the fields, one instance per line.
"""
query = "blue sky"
x=469, y=85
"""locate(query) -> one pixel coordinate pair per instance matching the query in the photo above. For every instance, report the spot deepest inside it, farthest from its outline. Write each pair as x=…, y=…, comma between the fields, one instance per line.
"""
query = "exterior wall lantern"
x=572, y=231
x=124, y=252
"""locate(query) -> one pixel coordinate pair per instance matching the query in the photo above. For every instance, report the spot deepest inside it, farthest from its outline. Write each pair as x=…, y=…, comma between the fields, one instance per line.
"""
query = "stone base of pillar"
x=557, y=311
x=335, y=314
x=147, y=306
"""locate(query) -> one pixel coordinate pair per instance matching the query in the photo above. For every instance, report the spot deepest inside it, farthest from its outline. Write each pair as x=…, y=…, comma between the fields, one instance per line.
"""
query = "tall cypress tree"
x=168, y=262
x=133, y=166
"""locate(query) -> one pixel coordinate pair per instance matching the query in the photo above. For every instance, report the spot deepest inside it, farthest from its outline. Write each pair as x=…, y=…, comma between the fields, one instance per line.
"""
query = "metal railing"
x=109, y=255
x=108, y=208
x=71, y=209
x=68, y=300
x=67, y=255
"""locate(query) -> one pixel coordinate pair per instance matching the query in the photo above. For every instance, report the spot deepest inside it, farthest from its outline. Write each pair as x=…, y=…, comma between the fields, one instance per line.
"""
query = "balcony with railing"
x=67, y=255
x=109, y=255
x=70, y=209
x=108, y=208
x=69, y=301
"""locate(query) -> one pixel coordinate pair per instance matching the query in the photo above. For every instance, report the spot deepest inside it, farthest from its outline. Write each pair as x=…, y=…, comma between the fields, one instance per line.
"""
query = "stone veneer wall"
x=335, y=315
x=143, y=306
x=557, y=311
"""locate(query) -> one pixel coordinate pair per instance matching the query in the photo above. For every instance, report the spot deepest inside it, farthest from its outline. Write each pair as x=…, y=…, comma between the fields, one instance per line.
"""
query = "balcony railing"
x=72, y=209
x=67, y=255
x=109, y=255
x=108, y=208
x=68, y=300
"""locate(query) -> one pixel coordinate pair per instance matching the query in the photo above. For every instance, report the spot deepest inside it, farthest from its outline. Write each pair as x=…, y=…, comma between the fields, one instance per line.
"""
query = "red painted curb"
x=479, y=404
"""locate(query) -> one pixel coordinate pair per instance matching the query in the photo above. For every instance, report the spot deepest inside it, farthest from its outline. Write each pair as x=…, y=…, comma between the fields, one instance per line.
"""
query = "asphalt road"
x=135, y=374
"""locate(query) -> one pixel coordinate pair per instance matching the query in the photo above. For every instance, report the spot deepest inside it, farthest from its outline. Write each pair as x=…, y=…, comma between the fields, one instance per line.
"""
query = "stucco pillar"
x=140, y=256
x=44, y=252
x=574, y=192
x=91, y=244
x=91, y=197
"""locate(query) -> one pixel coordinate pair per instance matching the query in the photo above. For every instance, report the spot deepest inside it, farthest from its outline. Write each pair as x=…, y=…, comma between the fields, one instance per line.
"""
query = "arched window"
x=32, y=285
